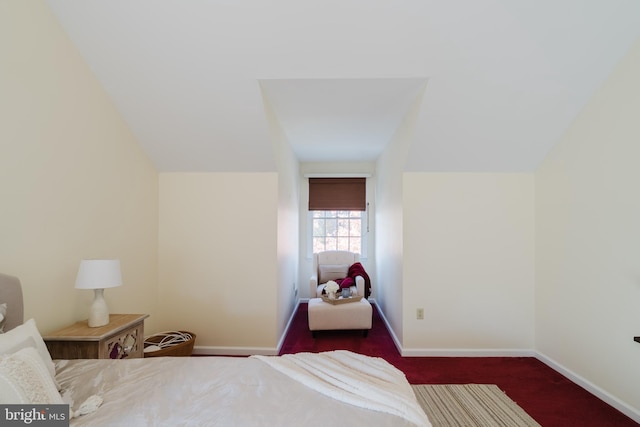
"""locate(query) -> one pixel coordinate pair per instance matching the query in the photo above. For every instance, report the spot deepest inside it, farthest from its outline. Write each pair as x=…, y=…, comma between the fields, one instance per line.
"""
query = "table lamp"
x=99, y=274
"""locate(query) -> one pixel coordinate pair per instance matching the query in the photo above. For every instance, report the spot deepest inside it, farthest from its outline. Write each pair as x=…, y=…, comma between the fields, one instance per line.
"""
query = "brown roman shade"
x=337, y=194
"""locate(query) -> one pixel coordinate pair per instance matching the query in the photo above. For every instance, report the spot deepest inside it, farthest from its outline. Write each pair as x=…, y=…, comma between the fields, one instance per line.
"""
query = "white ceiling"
x=504, y=78
x=340, y=119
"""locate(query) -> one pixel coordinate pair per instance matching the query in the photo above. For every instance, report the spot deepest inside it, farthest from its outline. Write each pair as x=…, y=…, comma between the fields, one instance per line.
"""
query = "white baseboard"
x=430, y=352
x=601, y=394
x=468, y=352
x=247, y=351
x=286, y=328
x=234, y=351
x=396, y=341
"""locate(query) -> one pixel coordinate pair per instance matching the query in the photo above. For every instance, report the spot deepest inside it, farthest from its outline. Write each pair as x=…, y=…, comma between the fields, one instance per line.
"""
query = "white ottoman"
x=354, y=315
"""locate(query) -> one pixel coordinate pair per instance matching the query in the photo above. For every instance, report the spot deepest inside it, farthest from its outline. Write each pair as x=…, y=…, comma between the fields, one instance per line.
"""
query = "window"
x=337, y=215
x=337, y=230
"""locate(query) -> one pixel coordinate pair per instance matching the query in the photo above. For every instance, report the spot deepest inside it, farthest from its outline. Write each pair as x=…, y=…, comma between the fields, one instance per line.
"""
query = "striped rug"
x=468, y=405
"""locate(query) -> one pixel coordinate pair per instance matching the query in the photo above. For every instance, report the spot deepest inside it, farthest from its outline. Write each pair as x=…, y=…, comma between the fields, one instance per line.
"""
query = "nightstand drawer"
x=122, y=338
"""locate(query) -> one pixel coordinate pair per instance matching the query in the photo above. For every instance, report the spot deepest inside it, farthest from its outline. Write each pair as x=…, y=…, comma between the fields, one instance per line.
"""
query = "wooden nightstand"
x=122, y=338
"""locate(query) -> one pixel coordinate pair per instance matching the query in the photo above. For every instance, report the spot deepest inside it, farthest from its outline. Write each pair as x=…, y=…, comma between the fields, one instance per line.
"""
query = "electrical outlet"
x=420, y=314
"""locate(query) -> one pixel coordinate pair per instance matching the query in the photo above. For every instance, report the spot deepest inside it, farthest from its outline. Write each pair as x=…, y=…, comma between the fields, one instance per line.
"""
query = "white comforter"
x=352, y=378
x=209, y=391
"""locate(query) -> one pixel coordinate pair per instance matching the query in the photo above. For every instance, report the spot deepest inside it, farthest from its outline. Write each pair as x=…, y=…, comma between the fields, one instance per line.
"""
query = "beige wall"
x=218, y=268
x=287, y=286
x=73, y=181
x=228, y=253
x=75, y=184
x=588, y=241
x=389, y=245
x=389, y=284
x=468, y=262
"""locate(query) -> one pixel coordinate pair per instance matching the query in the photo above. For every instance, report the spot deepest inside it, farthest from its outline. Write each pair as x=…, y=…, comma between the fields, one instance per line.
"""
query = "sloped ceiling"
x=341, y=119
x=504, y=78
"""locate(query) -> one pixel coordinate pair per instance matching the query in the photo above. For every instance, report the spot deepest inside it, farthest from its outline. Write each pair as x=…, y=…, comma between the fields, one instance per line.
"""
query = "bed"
x=311, y=389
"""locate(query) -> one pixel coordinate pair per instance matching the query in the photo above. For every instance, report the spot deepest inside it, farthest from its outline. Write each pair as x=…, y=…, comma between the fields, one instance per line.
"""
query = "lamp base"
x=99, y=312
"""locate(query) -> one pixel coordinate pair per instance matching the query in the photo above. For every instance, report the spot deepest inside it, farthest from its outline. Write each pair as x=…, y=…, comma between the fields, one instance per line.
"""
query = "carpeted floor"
x=550, y=398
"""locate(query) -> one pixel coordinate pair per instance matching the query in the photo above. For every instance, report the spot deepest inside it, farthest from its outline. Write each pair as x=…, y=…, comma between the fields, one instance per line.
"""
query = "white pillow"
x=24, y=379
x=332, y=272
x=27, y=342
x=10, y=339
x=3, y=316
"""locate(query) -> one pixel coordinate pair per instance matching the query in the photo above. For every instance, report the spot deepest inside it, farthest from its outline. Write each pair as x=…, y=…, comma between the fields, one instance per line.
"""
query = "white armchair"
x=332, y=265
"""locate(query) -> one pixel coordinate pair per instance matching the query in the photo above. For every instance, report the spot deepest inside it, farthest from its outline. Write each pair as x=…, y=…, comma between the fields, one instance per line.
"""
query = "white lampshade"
x=98, y=274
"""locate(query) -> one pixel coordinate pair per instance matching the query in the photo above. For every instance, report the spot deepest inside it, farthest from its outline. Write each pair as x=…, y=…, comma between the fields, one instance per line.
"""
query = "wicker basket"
x=183, y=349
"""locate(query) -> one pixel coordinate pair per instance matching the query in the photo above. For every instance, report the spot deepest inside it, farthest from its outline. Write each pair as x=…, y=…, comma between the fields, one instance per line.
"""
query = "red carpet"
x=550, y=398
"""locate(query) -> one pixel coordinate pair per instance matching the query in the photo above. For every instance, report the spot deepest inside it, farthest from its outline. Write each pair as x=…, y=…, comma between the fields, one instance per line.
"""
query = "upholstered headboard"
x=11, y=293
